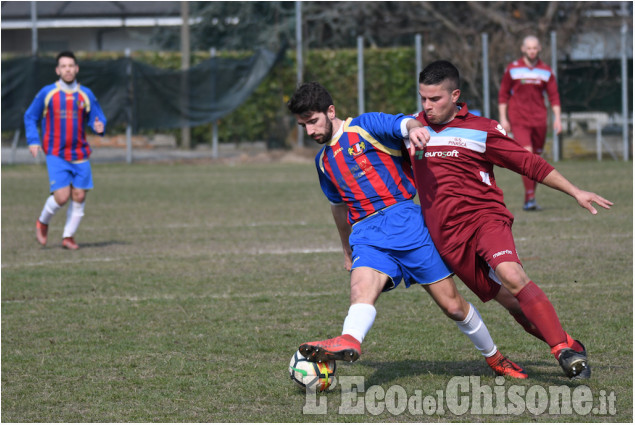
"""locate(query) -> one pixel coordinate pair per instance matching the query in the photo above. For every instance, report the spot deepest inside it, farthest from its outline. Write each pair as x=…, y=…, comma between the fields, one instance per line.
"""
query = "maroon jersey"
x=454, y=175
x=522, y=89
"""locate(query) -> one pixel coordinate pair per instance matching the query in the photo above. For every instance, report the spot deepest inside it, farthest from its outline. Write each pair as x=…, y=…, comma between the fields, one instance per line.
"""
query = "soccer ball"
x=316, y=376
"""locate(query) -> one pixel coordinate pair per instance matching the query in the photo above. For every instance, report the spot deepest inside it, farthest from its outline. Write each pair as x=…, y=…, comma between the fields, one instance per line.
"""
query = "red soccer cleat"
x=41, y=232
x=502, y=366
x=344, y=347
x=69, y=243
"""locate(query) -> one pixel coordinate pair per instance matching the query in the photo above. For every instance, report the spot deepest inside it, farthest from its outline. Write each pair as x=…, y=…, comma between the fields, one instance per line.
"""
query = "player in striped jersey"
x=466, y=213
x=65, y=109
x=367, y=178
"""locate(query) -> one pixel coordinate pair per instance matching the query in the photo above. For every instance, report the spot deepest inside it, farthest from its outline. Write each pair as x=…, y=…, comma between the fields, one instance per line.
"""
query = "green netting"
x=145, y=96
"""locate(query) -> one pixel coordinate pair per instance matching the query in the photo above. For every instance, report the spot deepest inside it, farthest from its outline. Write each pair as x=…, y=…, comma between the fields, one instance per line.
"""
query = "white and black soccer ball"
x=314, y=375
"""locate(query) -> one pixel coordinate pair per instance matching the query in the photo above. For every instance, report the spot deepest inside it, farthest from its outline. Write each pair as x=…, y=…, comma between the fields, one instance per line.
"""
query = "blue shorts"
x=396, y=242
x=63, y=173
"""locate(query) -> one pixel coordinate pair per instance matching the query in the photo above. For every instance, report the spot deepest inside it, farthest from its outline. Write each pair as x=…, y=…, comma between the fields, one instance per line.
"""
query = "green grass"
x=196, y=283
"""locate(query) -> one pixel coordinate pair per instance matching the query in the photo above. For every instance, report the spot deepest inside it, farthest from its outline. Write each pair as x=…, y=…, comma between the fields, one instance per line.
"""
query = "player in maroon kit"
x=521, y=105
x=466, y=215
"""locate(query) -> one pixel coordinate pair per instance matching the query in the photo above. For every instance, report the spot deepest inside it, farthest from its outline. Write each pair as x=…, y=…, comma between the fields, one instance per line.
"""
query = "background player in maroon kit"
x=521, y=105
x=466, y=214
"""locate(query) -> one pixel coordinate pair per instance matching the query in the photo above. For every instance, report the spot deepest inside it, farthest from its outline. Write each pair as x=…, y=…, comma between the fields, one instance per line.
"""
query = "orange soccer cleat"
x=69, y=243
x=502, y=366
x=344, y=347
x=41, y=232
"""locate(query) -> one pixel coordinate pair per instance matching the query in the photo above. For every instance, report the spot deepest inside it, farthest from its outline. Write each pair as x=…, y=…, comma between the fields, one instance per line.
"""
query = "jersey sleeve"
x=505, y=88
x=95, y=112
x=552, y=91
x=385, y=128
x=505, y=152
x=327, y=186
x=32, y=117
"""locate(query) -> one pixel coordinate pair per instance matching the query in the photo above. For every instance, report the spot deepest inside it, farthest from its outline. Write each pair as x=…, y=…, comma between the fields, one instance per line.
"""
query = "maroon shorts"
x=530, y=136
x=474, y=262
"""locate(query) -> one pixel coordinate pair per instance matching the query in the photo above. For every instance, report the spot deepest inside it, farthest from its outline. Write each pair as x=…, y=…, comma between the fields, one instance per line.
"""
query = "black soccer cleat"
x=586, y=373
x=573, y=363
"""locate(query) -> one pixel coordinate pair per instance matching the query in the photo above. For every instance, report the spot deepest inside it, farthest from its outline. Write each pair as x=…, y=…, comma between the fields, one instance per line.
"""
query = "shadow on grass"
x=99, y=244
x=544, y=371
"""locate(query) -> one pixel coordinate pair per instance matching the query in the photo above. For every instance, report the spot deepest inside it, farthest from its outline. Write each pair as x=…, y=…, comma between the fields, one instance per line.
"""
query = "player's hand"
x=98, y=126
x=586, y=199
x=34, y=150
x=505, y=124
x=557, y=125
x=419, y=138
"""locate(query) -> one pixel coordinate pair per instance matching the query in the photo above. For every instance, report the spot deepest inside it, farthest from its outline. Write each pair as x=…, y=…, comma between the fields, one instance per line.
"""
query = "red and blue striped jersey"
x=64, y=114
x=364, y=165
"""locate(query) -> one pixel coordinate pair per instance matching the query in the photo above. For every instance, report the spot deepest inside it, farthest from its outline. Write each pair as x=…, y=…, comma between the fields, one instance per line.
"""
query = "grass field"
x=196, y=283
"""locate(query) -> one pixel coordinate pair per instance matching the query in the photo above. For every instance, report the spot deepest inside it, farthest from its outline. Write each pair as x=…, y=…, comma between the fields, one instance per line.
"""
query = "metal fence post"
x=418, y=69
x=129, y=109
x=212, y=53
x=554, y=66
x=360, y=74
x=486, y=101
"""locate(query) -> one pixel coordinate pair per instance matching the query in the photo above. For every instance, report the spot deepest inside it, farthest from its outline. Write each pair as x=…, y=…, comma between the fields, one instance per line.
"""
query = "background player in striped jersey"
x=65, y=109
x=521, y=105
x=466, y=214
x=366, y=176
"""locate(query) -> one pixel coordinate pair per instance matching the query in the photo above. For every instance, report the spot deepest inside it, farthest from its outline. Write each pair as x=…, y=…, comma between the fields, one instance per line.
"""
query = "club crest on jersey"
x=357, y=149
x=81, y=104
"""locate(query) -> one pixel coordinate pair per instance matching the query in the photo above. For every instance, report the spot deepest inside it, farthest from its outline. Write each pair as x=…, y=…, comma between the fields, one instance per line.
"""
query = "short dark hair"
x=65, y=54
x=438, y=72
x=309, y=97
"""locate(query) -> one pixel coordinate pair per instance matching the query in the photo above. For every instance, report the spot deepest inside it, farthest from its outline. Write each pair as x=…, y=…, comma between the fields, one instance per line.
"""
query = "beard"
x=328, y=133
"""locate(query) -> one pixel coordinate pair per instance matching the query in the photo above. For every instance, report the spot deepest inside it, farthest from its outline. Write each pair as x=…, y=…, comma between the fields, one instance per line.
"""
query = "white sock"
x=74, y=216
x=359, y=320
x=475, y=329
x=49, y=210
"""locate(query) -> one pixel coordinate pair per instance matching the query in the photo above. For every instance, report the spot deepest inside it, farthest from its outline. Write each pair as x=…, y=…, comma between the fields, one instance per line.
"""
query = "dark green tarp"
x=155, y=98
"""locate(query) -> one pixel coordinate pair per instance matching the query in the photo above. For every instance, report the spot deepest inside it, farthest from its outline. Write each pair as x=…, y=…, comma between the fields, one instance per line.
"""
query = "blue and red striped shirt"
x=364, y=165
x=64, y=113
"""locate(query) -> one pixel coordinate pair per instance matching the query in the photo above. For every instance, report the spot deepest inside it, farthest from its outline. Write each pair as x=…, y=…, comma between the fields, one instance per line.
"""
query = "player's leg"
x=59, y=187
x=538, y=138
x=366, y=286
x=496, y=246
x=523, y=135
x=469, y=321
x=82, y=182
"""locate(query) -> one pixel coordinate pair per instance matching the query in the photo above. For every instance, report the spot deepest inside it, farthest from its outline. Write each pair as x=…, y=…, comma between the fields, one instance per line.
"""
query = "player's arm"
x=96, y=117
x=585, y=199
x=554, y=101
x=503, y=98
x=416, y=133
x=557, y=120
x=340, y=216
x=32, y=117
x=502, y=115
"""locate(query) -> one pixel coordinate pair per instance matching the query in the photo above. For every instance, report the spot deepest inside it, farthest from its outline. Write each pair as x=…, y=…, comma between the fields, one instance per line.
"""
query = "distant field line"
x=252, y=251
x=135, y=298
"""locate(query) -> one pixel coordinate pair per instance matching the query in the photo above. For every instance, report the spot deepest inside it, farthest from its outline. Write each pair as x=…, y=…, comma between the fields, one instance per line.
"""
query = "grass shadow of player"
x=385, y=373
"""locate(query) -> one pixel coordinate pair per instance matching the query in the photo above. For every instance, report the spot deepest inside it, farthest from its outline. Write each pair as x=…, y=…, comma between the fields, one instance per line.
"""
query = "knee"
x=455, y=309
x=79, y=196
x=61, y=198
x=513, y=278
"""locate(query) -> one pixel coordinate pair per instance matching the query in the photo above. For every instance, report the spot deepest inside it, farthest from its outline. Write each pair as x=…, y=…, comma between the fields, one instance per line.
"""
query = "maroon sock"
x=539, y=311
x=528, y=326
x=529, y=188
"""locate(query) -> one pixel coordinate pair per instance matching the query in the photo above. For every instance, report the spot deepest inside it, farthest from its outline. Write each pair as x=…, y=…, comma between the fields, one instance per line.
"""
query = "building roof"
x=68, y=14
